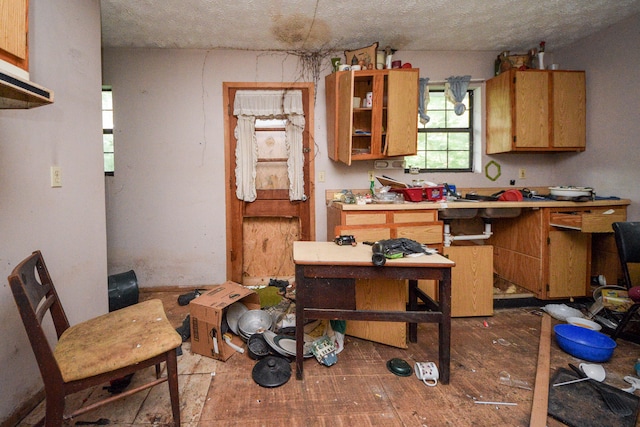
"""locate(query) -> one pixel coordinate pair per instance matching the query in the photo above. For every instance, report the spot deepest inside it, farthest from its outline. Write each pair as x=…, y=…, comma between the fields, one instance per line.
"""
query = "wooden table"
x=325, y=289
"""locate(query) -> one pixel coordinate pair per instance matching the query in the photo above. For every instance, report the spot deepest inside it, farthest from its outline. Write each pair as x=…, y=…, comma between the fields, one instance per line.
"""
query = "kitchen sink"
x=462, y=213
x=499, y=212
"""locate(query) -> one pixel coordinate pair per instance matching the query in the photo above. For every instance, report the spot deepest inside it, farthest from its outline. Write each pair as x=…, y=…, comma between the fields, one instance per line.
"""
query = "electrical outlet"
x=56, y=176
x=321, y=176
x=371, y=175
x=522, y=173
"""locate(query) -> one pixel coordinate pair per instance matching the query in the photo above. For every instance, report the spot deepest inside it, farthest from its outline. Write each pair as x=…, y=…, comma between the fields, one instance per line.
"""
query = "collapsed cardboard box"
x=207, y=312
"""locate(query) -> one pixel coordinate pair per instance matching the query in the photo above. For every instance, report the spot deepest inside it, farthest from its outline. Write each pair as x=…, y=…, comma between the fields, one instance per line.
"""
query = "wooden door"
x=260, y=234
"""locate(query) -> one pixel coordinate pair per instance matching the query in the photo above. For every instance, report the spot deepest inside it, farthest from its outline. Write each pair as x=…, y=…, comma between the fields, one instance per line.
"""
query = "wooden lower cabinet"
x=420, y=225
x=471, y=280
x=548, y=251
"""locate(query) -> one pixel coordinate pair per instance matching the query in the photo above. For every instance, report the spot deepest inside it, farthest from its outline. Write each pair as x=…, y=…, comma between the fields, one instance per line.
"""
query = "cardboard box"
x=616, y=300
x=206, y=318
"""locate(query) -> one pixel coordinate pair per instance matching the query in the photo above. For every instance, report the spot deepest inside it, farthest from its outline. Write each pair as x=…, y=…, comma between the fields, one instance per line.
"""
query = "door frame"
x=236, y=209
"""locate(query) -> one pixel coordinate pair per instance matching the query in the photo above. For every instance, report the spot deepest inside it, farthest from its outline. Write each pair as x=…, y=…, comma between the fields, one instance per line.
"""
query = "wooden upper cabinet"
x=13, y=33
x=536, y=111
x=387, y=128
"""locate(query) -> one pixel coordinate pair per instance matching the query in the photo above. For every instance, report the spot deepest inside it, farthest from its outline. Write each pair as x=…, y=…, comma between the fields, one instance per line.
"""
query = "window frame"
x=107, y=131
x=470, y=131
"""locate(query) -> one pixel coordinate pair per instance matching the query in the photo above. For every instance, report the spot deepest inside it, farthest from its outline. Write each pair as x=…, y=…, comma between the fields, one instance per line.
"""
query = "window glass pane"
x=458, y=141
x=271, y=144
x=107, y=119
x=107, y=143
x=272, y=176
x=108, y=162
x=446, y=141
x=270, y=123
x=107, y=100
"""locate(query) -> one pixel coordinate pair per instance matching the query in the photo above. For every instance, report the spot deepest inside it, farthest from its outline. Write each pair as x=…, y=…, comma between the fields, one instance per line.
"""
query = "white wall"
x=165, y=204
x=612, y=62
x=66, y=223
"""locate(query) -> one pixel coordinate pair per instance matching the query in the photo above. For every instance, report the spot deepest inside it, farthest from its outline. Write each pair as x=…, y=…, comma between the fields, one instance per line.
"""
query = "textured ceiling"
x=312, y=25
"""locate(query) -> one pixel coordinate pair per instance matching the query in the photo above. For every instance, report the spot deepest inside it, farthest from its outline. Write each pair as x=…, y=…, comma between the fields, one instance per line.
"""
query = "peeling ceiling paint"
x=435, y=25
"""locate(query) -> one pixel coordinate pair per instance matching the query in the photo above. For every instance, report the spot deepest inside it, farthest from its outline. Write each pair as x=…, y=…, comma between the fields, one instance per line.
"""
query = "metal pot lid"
x=271, y=371
x=399, y=367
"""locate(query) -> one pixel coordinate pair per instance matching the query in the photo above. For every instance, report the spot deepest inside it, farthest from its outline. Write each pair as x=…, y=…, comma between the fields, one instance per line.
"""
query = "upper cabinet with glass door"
x=385, y=126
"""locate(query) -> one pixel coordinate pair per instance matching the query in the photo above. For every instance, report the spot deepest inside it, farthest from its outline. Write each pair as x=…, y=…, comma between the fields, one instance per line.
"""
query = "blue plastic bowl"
x=584, y=343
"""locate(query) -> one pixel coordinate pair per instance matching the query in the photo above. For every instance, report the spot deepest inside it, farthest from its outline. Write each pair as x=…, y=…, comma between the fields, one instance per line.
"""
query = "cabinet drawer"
x=421, y=216
x=426, y=234
x=365, y=218
x=593, y=221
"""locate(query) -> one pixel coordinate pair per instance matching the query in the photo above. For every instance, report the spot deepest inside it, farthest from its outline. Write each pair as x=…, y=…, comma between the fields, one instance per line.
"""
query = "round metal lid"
x=271, y=371
x=399, y=367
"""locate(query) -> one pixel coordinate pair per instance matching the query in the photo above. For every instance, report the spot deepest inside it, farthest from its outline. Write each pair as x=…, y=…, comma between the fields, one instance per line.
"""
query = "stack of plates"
x=285, y=345
x=253, y=321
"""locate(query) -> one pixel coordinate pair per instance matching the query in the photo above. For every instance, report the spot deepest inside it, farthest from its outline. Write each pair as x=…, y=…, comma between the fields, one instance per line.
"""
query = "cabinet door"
x=499, y=134
x=569, y=264
x=401, y=114
x=13, y=32
x=344, y=119
x=569, y=109
x=532, y=126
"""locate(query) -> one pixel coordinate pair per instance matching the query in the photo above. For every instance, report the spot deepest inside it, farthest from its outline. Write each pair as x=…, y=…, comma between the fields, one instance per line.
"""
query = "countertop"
x=527, y=203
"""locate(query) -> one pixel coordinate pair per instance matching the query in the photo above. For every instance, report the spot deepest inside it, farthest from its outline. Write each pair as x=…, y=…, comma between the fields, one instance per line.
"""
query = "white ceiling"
x=334, y=25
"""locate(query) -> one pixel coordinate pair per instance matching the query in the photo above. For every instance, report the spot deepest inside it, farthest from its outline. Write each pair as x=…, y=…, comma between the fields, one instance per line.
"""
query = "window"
x=107, y=130
x=445, y=143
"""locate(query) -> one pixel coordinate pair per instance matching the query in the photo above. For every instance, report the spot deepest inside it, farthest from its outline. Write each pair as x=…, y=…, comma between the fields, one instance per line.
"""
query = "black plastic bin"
x=123, y=290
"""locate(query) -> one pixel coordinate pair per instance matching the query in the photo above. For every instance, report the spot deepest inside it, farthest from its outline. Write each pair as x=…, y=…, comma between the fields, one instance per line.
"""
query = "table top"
x=329, y=253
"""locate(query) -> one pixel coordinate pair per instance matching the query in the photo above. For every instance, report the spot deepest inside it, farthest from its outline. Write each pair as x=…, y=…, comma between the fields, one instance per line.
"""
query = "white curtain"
x=268, y=104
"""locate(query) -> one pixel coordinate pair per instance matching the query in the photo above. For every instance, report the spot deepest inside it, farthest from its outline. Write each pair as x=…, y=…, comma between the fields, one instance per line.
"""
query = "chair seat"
x=115, y=340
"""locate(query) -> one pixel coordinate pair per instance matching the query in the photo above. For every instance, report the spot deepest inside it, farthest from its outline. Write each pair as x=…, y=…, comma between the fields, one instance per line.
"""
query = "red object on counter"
x=511, y=196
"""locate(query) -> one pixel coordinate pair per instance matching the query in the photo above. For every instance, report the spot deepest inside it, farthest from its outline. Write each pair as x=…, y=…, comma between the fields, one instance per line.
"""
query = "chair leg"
x=158, y=371
x=54, y=409
x=172, y=379
x=625, y=319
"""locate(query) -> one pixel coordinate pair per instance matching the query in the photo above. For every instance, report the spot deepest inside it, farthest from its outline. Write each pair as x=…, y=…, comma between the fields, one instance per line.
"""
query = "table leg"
x=413, y=306
x=300, y=290
x=444, y=327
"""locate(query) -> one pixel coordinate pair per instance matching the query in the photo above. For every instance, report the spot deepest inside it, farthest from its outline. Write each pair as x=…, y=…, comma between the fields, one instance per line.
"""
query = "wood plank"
x=541, y=390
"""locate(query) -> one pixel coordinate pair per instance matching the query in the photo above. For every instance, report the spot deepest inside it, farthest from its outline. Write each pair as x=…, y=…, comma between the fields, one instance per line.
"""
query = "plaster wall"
x=612, y=61
x=165, y=204
x=67, y=224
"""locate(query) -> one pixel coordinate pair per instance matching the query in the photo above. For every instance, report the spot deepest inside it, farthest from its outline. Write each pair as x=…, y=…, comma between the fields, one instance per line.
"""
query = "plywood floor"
x=359, y=390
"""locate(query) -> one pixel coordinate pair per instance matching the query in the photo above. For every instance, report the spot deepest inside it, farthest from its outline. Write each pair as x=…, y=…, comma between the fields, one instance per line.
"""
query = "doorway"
x=261, y=232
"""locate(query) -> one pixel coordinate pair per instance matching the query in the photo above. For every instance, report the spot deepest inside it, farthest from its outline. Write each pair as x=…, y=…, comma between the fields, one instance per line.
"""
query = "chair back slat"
x=627, y=236
x=44, y=307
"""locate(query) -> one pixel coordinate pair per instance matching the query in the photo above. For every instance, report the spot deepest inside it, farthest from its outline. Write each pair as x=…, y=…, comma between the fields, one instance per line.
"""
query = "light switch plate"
x=56, y=176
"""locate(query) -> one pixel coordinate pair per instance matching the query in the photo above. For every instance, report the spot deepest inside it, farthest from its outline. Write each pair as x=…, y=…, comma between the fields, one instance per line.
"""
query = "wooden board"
x=541, y=390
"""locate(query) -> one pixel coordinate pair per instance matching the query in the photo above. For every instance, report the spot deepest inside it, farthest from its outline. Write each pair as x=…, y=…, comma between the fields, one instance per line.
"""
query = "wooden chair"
x=627, y=236
x=95, y=351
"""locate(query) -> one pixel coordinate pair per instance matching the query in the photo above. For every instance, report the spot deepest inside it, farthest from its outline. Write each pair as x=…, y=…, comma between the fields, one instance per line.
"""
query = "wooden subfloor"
x=359, y=390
